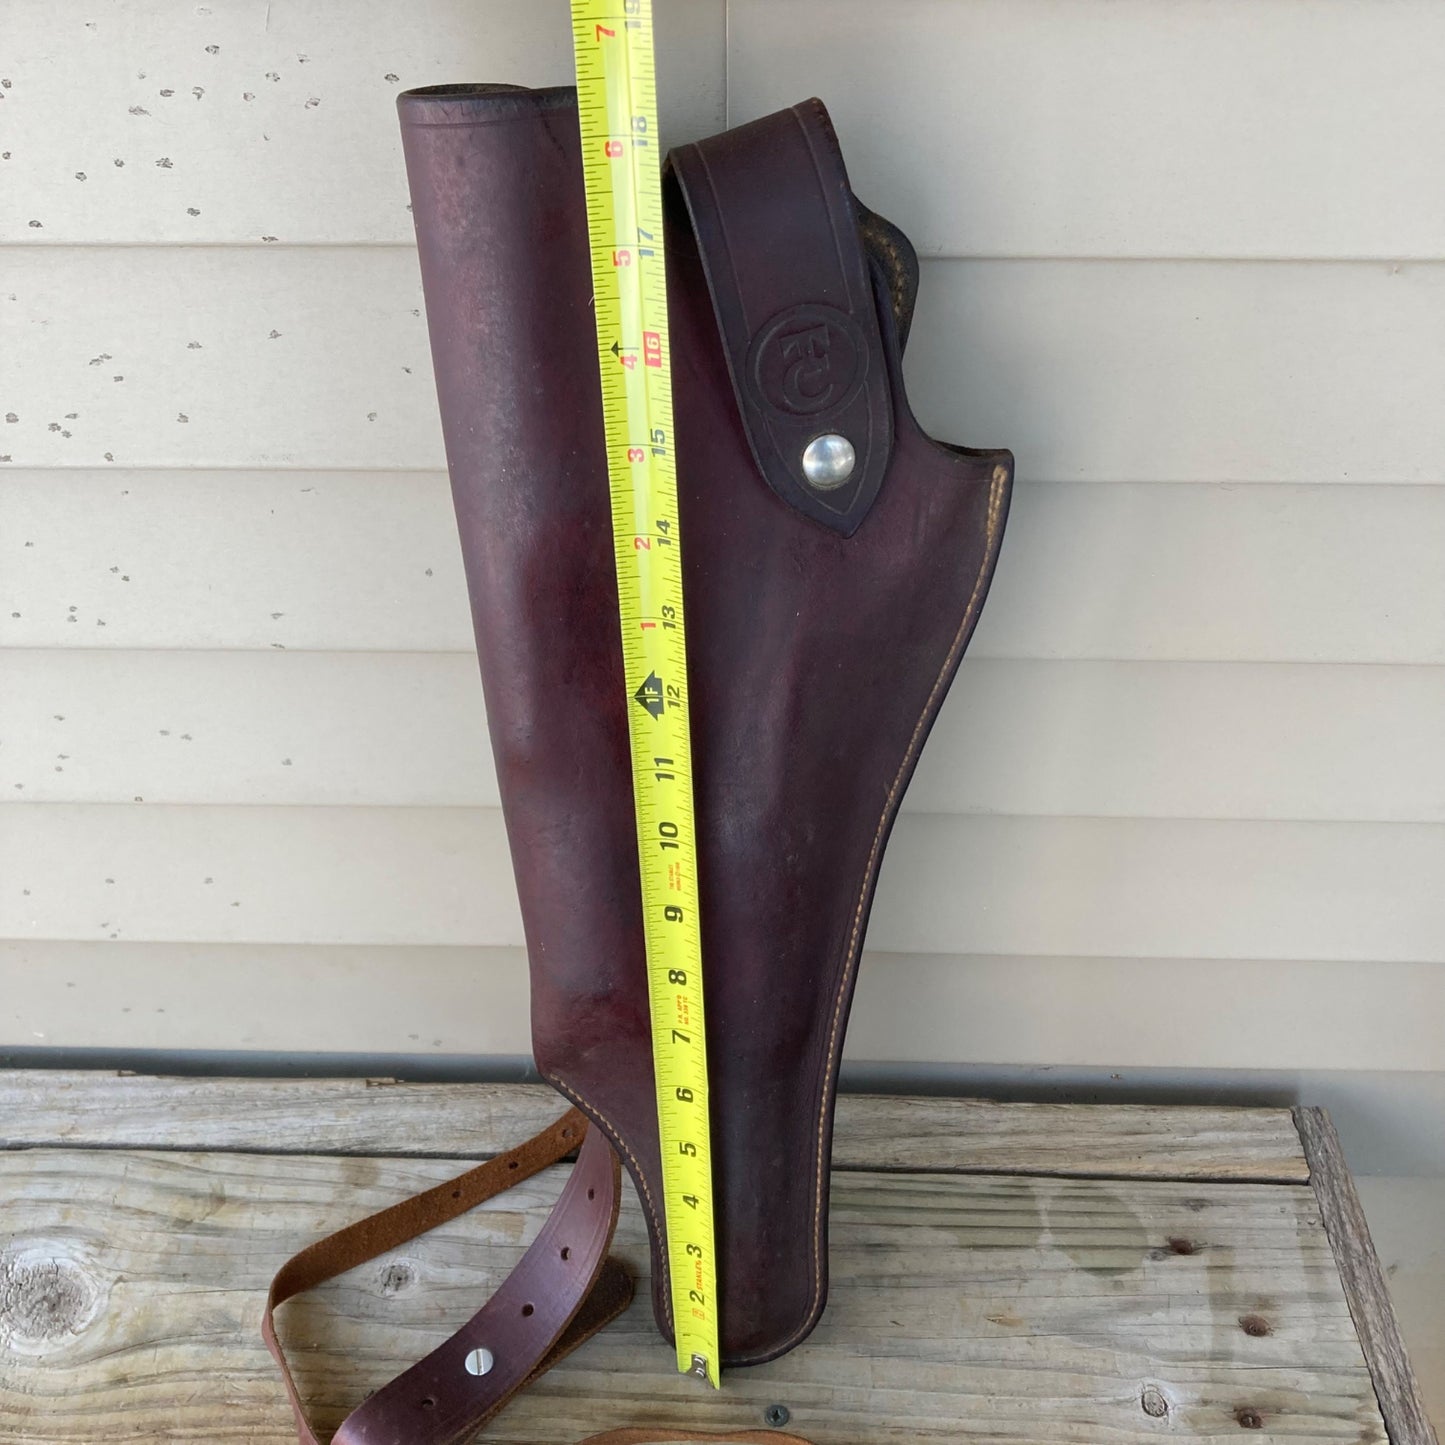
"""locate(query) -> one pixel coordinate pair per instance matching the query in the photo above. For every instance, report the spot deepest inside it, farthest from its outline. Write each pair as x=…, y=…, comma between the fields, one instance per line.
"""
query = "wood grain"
x=996, y=1308
x=1401, y=1402
x=83, y=1109
x=1404, y=1216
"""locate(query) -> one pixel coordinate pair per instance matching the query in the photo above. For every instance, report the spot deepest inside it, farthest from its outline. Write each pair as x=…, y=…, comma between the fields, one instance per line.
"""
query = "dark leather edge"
x=480, y=104
x=892, y=254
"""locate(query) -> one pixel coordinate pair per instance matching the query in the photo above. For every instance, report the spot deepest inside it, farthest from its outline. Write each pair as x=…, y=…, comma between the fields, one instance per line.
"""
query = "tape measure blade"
x=617, y=112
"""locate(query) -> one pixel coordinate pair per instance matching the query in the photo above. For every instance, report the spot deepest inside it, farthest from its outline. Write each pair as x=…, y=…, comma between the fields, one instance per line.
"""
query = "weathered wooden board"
x=1344, y=1224
x=1004, y=1010
x=1147, y=888
x=1091, y=371
x=83, y=1109
x=1200, y=127
x=1405, y=1217
x=1019, y=736
x=370, y=562
x=272, y=120
x=991, y=1307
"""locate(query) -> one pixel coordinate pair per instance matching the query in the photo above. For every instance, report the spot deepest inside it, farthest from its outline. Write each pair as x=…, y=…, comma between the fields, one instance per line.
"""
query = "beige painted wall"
x=1185, y=810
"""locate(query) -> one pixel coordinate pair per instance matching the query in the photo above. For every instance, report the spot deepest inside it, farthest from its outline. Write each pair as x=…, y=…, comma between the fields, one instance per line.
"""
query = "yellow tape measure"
x=617, y=105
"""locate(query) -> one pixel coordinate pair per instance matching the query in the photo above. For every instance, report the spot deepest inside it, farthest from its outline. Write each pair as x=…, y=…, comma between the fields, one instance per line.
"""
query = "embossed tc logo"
x=806, y=360
x=806, y=386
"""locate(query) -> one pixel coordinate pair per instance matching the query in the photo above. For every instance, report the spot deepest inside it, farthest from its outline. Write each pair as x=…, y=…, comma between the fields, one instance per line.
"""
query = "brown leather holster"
x=826, y=618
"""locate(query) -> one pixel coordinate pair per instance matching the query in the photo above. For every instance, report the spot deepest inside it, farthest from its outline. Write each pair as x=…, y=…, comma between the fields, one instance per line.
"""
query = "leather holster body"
x=824, y=624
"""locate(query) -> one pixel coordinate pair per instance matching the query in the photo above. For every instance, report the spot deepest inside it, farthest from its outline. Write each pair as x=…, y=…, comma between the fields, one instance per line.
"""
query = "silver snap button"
x=480, y=1361
x=828, y=461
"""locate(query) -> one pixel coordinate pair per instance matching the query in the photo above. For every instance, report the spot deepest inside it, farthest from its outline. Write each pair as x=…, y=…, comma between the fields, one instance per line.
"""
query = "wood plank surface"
x=1001, y=1307
x=272, y=120
x=1018, y=736
x=1046, y=127
x=85, y=1109
x=1405, y=1215
x=370, y=562
x=1090, y=370
x=1146, y=888
x=1343, y=1218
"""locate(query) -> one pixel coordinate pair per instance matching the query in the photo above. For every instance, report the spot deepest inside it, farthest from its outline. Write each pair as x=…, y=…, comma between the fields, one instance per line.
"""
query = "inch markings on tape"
x=617, y=108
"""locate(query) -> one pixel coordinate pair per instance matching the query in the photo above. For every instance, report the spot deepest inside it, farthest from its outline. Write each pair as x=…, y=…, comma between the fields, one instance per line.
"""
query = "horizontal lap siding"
x=1184, y=810
x=1191, y=749
x=1046, y=738
x=983, y=1009
x=1127, y=128
x=951, y=883
x=1010, y=128
x=370, y=561
x=271, y=121
x=1115, y=371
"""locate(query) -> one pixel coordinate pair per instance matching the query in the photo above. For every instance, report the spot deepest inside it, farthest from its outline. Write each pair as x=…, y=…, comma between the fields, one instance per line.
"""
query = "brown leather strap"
x=562, y=1292
x=777, y=234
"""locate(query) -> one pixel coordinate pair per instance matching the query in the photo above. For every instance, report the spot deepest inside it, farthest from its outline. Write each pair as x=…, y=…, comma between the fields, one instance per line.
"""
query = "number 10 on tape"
x=617, y=110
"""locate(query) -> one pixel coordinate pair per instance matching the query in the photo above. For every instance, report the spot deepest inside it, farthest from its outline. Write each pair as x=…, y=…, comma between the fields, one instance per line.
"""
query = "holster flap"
x=777, y=233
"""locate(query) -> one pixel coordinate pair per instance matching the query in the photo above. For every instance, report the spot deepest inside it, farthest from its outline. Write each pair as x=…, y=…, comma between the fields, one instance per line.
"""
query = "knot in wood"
x=1175, y=1244
x=1249, y=1418
x=43, y=1298
x=1153, y=1403
x=395, y=1276
x=1255, y=1325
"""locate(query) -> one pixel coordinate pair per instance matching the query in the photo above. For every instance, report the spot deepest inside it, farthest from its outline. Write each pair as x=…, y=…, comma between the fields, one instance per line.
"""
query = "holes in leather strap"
x=592, y=1194
x=527, y=1310
x=430, y=1403
x=566, y=1251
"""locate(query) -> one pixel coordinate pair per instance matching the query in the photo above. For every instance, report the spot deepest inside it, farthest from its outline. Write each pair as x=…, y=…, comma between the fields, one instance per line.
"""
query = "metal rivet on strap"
x=480, y=1361
x=828, y=461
